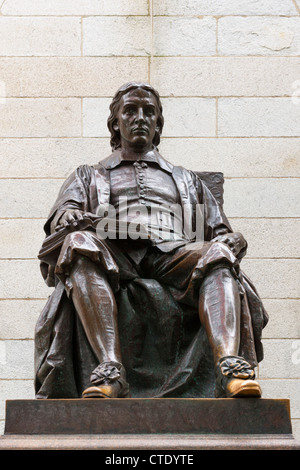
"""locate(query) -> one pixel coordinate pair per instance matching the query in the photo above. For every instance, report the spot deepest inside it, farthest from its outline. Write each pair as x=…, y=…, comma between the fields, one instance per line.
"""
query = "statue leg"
x=96, y=307
x=220, y=311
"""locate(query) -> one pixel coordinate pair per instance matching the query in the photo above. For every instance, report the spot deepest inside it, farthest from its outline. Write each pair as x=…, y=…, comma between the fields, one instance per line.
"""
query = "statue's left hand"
x=235, y=241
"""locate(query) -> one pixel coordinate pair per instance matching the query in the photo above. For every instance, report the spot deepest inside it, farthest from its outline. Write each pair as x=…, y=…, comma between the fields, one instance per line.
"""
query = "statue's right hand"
x=70, y=216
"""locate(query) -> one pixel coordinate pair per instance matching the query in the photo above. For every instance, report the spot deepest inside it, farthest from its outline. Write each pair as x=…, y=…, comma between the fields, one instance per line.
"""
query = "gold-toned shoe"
x=109, y=390
x=107, y=381
x=235, y=379
x=236, y=388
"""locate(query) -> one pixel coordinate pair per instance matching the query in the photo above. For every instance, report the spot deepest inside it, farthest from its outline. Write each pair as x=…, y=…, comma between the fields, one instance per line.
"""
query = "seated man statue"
x=167, y=313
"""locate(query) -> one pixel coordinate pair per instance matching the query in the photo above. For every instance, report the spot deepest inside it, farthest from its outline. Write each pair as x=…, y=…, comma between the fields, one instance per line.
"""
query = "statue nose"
x=140, y=115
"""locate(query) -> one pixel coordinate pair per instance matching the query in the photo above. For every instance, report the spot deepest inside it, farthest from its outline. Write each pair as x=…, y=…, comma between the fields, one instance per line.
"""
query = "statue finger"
x=67, y=219
x=78, y=214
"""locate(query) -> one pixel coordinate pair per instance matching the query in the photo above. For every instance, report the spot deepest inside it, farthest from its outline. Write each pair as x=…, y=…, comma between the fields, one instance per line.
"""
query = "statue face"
x=137, y=119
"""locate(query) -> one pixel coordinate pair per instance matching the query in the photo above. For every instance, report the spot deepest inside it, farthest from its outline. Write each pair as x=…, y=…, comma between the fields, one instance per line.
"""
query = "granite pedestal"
x=148, y=424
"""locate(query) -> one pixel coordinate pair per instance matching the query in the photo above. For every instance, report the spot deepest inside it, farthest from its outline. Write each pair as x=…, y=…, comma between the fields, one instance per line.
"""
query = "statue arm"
x=73, y=196
x=217, y=226
x=72, y=201
x=235, y=241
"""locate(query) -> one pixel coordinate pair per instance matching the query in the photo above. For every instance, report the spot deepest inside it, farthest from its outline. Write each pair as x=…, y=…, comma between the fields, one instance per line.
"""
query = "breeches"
x=182, y=269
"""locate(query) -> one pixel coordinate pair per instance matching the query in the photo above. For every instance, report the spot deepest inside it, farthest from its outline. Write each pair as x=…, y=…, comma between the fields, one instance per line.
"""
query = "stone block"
x=176, y=36
x=40, y=117
x=296, y=429
x=226, y=76
x=21, y=238
x=40, y=36
x=16, y=389
x=259, y=36
x=69, y=76
x=274, y=278
x=17, y=359
x=74, y=7
x=235, y=157
x=95, y=113
x=184, y=117
x=116, y=36
x=18, y=318
x=258, y=117
x=49, y=158
x=284, y=319
x=26, y=198
x=262, y=197
x=22, y=279
x=270, y=238
x=281, y=359
x=223, y=7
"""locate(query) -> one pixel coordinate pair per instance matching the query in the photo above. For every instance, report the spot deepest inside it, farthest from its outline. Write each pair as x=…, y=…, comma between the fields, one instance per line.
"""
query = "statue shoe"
x=107, y=382
x=106, y=390
x=235, y=379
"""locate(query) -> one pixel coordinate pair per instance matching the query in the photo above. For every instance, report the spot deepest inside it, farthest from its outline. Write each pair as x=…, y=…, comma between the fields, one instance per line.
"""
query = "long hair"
x=115, y=140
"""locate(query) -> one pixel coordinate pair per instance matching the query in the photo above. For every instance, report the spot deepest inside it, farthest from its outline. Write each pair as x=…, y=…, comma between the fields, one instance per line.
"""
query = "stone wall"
x=229, y=76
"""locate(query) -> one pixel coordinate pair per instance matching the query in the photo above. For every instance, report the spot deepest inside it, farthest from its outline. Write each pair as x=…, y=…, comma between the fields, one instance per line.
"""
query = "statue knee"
x=87, y=272
x=84, y=265
x=222, y=268
x=222, y=249
x=81, y=261
x=76, y=238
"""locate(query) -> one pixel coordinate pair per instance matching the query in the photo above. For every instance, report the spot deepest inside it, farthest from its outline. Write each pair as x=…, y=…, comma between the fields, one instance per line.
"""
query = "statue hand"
x=235, y=241
x=70, y=216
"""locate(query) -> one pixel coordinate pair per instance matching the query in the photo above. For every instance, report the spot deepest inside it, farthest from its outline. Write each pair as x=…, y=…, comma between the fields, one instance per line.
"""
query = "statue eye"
x=149, y=111
x=130, y=110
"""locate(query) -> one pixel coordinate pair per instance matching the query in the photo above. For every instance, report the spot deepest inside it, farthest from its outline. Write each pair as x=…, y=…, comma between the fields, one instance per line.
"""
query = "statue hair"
x=115, y=140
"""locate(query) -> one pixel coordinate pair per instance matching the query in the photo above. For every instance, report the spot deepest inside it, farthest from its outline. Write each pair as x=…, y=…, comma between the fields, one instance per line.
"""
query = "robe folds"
x=165, y=349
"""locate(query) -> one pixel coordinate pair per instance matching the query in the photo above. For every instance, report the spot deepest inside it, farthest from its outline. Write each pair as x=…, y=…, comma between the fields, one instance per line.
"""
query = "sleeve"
x=72, y=195
x=215, y=220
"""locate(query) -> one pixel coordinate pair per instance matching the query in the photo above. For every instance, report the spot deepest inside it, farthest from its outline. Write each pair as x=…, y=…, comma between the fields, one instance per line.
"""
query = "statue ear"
x=115, y=126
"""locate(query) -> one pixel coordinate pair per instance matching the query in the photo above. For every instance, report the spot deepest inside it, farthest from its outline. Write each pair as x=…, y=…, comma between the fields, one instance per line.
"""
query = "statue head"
x=115, y=140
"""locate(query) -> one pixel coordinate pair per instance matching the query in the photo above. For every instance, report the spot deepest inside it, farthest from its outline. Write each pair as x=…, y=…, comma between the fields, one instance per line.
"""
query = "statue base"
x=168, y=423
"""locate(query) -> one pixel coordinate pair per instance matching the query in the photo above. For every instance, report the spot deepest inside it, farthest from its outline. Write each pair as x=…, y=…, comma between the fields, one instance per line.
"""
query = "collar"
x=116, y=158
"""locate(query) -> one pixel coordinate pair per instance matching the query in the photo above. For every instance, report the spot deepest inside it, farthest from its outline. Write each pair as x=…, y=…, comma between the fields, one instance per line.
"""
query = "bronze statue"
x=163, y=314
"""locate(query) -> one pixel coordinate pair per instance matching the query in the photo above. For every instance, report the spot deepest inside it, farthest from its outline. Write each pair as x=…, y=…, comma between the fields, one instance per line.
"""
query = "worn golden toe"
x=243, y=388
x=111, y=390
